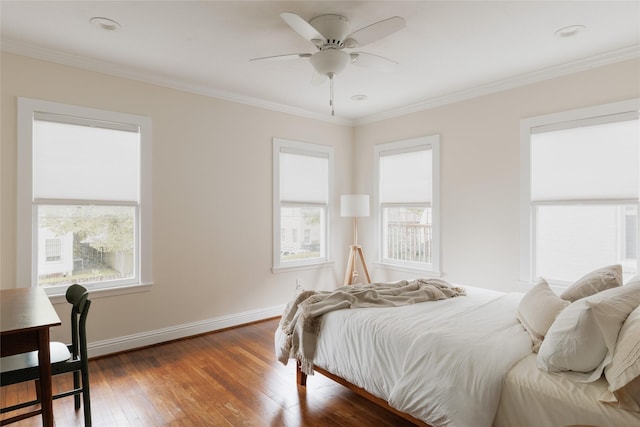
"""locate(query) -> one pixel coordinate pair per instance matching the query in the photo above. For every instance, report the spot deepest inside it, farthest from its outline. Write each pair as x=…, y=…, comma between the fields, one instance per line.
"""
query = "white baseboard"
x=130, y=342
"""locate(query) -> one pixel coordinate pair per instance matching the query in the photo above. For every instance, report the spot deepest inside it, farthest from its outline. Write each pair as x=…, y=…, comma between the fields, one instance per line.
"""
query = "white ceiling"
x=448, y=50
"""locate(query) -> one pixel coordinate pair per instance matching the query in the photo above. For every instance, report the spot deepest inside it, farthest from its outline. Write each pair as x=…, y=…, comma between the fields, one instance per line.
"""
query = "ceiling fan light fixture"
x=330, y=61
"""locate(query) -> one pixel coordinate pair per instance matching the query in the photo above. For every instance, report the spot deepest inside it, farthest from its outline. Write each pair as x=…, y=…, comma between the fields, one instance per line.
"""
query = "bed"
x=464, y=361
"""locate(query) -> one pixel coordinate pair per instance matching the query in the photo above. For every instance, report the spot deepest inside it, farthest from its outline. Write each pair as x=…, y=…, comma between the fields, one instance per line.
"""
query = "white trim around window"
x=27, y=203
x=309, y=192
x=432, y=143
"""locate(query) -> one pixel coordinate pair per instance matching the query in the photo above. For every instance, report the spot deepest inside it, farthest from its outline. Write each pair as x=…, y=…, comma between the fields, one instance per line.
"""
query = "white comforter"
x=441, y=361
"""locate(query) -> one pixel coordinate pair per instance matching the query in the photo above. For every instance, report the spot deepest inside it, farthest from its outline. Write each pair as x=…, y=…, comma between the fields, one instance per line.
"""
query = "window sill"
x=58, y=295
x=407, y=269
x=284, y=269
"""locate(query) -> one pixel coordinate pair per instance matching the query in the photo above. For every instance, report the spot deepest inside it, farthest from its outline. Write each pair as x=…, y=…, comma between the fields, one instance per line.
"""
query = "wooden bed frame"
x=301, y=380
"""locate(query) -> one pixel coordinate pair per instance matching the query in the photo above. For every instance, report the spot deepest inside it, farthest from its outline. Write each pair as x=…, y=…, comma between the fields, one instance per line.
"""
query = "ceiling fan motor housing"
x=334, y=28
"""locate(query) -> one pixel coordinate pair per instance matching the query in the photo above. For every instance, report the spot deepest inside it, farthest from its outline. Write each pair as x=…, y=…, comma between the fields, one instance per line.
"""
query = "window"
x=53, y=250
x=83, y=197
x=407, y=199
x=581, y=186
x=302, y=185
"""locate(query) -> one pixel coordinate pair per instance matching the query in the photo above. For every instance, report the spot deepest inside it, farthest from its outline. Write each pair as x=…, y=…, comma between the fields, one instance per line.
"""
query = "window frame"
x=27, y=208
x=310, y=149
x=397, y=147
x=564, y=119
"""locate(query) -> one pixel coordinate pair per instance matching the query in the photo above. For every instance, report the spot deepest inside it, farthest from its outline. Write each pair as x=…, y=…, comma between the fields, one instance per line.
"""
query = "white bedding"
x=448, y=362
x=533, y=398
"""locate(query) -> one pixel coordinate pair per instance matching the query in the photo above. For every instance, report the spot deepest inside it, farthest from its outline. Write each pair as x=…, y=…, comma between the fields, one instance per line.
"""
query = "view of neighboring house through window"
x=301, y=201
x=583, y=187
x=84, y=196
x=407, y=199
x=53, y=250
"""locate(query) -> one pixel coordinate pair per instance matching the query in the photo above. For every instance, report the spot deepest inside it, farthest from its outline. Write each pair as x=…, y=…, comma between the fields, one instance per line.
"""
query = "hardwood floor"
x=227, y=378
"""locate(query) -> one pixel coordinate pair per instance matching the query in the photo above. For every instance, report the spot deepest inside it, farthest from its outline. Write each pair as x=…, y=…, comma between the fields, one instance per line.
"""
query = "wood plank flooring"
x=226, y=378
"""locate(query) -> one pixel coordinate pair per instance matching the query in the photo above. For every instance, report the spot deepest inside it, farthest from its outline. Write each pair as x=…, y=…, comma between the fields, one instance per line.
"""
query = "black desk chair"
x=64, y=359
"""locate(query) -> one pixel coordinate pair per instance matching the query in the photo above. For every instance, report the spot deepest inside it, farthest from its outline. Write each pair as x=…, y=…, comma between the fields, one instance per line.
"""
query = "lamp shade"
x=354, y=205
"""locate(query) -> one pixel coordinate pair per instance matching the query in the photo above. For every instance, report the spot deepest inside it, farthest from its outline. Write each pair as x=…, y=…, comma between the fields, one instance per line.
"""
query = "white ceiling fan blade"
x=376, y=31
x=375, y=62
x=282, y=57
x=302, y=27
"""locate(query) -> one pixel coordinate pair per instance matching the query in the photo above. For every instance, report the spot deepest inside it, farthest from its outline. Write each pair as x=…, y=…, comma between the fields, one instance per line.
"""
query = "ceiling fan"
x=331, y=36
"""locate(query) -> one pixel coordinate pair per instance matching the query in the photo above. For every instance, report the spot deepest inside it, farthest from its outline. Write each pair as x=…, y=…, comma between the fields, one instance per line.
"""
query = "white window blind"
x=406, y=177
x=601, y=161
x=304, y=178
x=84, y=161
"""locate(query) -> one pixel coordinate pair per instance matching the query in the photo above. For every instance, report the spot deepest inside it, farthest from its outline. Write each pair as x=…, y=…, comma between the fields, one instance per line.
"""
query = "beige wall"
x=480, y=151
x=212, y=198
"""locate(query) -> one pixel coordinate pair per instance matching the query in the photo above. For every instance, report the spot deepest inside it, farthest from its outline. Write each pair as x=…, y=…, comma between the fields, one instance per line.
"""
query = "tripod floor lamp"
x=355, y=205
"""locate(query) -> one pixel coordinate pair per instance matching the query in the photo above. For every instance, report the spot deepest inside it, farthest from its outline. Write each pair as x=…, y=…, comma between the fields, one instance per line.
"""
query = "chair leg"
x=86, y=399
x=38, y=390
x=76, y=385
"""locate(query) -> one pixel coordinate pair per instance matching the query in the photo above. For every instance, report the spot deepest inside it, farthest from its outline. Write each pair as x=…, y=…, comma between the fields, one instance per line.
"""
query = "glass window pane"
x=630, y=225
x=96, y=244
x=407, y=234
x=573, y=240
x=301, y=233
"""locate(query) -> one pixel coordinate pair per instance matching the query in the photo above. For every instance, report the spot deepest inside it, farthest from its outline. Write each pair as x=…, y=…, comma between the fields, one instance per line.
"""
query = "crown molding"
x=607, y=58
x=64, y=58
x=104, y=67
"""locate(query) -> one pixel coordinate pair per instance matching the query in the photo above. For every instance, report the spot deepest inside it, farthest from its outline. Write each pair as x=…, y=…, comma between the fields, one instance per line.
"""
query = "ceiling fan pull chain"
x=331, y=93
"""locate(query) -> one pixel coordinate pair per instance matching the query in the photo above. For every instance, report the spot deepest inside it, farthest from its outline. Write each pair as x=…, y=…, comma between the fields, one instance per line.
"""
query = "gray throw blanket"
x=300, y=323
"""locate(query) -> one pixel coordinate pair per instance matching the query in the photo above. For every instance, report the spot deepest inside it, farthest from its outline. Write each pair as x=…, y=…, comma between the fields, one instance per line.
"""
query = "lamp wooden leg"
x=351, y=273
x=351, y=265
x=364, y=264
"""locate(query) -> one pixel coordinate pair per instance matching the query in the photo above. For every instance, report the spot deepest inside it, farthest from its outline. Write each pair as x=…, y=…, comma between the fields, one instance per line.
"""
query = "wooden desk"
x=25, y=318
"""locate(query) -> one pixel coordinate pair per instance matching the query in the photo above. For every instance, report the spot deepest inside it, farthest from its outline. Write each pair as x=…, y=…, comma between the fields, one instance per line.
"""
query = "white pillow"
x=538, y=309
x=583, y=337
x=625, y=362
x=623, y=374
x=594, y=282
